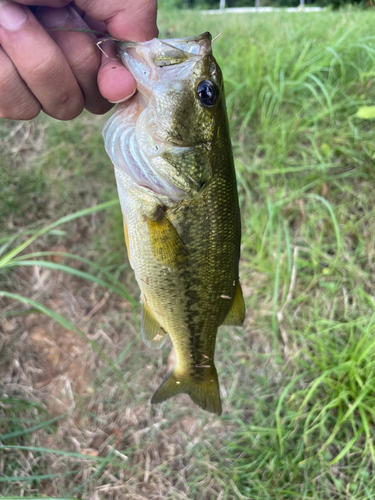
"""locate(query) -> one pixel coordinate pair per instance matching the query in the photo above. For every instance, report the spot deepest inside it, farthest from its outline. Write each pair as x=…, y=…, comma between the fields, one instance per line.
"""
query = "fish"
x=171, y=149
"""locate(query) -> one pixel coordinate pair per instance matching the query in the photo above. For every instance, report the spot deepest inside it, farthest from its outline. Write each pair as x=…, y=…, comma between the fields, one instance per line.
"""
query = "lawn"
x=297, y=380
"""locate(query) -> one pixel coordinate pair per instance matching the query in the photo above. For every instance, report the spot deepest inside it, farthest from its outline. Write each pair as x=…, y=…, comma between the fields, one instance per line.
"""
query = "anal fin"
x=236, y=314
x=153, y=335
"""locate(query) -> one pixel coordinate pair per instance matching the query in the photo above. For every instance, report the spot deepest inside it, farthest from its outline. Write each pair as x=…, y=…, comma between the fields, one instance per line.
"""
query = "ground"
x=297, y=379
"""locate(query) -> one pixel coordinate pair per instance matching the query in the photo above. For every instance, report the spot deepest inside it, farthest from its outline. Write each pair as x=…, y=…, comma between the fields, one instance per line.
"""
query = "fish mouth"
x=174, y=58
x=170, y=62
x=171, y=51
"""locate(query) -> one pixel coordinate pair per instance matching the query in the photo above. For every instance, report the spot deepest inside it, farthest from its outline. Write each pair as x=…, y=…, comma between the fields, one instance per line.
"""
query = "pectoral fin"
x=166, y=243
x=153, y=334
x=236, y=314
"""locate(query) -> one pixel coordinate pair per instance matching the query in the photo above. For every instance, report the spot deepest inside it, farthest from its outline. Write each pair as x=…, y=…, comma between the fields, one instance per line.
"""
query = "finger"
x=115, y=82
x=47, y=3
x=39, y=62
x=17, y=102
x=95, y=25
x=125, y=19
x=79, y=49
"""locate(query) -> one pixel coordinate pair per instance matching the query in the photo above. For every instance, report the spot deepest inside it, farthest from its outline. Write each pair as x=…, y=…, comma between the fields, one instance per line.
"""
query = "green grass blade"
x=348, y=446
x=68, y=255
x=17, y=312
x=275, y=325
x=63, y=220
x=333, y=218
x=75, y=272
x=32, y=429
x=54, y=452
x=278, y=411
x=67, y=324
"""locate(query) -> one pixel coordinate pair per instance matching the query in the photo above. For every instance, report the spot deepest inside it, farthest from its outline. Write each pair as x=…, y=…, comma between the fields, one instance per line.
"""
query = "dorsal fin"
x=236, y=314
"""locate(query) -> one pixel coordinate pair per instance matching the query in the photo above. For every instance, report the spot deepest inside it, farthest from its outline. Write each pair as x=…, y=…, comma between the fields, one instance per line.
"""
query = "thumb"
x=115, y=82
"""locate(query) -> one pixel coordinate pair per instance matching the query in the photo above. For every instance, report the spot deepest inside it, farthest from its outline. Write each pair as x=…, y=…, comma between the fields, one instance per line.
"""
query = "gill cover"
x=161, y=138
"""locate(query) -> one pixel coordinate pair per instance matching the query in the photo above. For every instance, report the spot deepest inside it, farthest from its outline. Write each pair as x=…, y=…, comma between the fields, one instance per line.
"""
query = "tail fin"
x=205, y=393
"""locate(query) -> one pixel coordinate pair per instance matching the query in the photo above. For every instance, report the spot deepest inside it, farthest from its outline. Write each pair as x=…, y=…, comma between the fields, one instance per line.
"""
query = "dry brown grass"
x=151, y=448
x=297, y=381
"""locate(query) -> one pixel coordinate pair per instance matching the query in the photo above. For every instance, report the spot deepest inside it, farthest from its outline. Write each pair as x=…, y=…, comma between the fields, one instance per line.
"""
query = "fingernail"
x=51, y=18
x=124, y=99
x=12, y=15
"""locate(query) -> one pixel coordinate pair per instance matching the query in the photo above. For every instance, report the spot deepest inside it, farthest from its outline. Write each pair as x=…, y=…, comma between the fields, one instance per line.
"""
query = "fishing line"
x=216, y=37
x=84, y=31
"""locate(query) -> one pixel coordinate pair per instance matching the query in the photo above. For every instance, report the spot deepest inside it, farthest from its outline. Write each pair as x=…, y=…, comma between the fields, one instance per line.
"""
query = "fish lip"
x=197, y=38
x=203, y=37
x=157, y=53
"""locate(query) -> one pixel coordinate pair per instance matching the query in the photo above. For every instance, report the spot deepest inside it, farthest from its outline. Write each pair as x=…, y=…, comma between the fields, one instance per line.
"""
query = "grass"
x=298, y=380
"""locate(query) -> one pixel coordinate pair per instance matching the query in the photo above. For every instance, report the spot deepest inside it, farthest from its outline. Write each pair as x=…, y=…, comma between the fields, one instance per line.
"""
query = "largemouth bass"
x=171, y=149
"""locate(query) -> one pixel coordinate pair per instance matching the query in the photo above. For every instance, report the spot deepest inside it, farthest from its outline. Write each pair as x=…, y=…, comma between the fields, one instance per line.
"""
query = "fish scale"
x=184, y=248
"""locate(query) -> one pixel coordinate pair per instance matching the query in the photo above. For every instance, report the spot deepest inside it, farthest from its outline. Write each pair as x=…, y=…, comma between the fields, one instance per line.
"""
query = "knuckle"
x=88, y=61
x=64, y=100
x=45, y=66
x=69, y=108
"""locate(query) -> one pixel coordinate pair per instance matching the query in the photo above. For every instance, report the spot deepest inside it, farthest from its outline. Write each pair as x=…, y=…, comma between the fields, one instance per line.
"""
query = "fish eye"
x=207, y=92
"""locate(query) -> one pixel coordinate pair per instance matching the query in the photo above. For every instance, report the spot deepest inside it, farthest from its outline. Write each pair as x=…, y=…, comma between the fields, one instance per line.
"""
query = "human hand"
x=43, y=66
